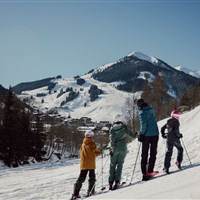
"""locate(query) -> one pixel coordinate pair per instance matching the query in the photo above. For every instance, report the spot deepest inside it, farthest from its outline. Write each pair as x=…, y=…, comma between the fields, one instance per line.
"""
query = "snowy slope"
x=54, y=181
x=108, y=104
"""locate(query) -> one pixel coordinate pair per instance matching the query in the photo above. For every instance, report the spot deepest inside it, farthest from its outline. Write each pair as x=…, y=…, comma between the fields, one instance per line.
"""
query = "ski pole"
x=90, y=192
x=135, y=163
x=186, y=151
x=102, y=188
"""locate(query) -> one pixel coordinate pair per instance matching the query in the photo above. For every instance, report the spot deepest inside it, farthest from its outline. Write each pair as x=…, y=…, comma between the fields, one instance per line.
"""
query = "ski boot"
x=152, y=174
x=75, y=197
x=117, y=184
x=166, y=170
x=145, y=177
x=110, y=185
x=178, y=164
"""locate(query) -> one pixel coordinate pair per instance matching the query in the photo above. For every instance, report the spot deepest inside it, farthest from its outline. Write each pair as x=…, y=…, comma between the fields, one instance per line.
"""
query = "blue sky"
x=41, y=39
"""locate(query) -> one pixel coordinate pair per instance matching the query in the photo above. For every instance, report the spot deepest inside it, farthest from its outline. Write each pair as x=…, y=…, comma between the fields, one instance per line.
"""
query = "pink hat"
x=175, y=114
x=89, y=133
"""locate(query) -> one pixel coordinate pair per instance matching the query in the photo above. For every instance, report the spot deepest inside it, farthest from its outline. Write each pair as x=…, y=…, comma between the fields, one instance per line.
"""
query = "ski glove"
x=164, y=135
x=101, y=150
x=181, y=135
x=140, y=137
x=111, y=150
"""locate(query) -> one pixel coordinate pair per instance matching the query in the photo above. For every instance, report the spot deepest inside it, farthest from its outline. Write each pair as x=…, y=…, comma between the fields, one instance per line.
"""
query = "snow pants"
x=149, y=143
x=168, y=155
x=116, y=166
x=81, y=179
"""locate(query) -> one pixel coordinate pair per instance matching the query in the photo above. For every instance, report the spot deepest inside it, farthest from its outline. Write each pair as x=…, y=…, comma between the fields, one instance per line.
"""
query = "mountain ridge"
x=118, y=81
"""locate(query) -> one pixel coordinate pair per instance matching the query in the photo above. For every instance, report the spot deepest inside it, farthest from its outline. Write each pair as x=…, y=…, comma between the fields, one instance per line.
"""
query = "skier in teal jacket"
x=148, y=136
x=118, y=149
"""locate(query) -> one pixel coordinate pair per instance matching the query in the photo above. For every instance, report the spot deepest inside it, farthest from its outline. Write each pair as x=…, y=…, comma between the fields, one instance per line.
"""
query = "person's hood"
x=117, y=126
x=143, y=105
x=87, y=140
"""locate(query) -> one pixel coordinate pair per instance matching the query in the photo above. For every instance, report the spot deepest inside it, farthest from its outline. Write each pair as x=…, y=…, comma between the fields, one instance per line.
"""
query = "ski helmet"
x=140, y=102
x=175, y=114
x=89, y=133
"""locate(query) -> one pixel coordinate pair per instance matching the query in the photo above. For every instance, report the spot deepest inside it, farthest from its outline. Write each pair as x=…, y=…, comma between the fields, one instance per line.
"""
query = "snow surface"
x=146, y=76
x=54, y=181
x=108, y=104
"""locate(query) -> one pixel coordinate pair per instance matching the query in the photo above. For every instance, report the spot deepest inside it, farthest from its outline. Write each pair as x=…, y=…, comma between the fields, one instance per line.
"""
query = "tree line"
x=156, y=95
x=25, y=136
x=18, y=139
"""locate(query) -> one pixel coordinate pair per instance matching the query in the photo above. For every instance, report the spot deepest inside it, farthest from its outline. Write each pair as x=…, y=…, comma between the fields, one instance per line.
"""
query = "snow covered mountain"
x=103, y=108
x=101, y=93
x=55, y=180
x=188, y=71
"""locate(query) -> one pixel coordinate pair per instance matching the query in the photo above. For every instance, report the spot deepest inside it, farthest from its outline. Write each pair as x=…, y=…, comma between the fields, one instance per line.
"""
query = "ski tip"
x=103, y=188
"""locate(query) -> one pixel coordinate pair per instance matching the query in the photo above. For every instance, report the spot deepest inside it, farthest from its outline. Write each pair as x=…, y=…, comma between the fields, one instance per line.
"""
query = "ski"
x=103, y=190
x=122, y=184
x=75, y=197
x=154, y=173
x=119, y=186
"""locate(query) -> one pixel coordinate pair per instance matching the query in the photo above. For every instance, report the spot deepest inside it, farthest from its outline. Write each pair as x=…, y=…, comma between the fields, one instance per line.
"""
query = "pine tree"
x=155, y=94
x=15, y=137
x=39, y=138
x=159, y=95
x=9, y=143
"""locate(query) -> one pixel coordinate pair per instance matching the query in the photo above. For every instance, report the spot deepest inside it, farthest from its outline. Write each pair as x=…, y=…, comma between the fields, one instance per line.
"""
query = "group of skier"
x=148, y=136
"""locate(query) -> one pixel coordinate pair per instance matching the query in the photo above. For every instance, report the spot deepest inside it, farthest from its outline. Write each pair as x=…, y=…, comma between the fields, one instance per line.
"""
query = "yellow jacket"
x=88, y=153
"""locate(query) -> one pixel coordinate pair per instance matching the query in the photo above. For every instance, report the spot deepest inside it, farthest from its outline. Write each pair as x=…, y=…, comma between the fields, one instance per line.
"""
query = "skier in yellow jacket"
x=88, y=153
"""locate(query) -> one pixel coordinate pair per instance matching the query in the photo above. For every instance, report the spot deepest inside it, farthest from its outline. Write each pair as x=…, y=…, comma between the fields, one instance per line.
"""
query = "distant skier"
x=88, y=153
x=118, y=150
x=173, y=136
x=148, y=135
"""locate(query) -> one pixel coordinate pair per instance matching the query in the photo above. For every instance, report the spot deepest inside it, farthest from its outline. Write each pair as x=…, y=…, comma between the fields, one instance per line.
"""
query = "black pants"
x=168, y=155
x=149, y=143
x=81, y=179
x=84, y=173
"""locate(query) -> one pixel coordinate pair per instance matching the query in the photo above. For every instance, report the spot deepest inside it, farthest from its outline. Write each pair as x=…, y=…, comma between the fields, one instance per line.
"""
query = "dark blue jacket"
x=172, y=127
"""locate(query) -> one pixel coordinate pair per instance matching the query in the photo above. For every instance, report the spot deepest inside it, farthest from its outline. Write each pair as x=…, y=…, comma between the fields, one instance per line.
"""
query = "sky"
x=43, y=38
x=54, y=179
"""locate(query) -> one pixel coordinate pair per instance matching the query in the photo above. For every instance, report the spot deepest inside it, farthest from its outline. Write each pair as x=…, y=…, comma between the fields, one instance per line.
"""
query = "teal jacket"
x=148, y=123
x=118, y=137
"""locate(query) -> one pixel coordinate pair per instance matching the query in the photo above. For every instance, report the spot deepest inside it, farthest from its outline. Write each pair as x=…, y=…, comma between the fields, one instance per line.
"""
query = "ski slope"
x=54, y=181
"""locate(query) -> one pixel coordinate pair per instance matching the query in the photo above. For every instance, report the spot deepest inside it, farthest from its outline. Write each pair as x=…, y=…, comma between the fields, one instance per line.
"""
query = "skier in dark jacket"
x=118, y=149
x=173, y=136
x=148, y=135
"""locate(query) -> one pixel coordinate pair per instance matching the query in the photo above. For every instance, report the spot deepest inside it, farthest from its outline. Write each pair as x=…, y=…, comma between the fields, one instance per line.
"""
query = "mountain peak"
x=142, y=56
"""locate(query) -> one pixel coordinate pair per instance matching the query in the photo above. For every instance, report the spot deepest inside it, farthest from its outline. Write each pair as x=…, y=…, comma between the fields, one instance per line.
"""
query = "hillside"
x=54, y=180
x=137, y=68
x=103, y=108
